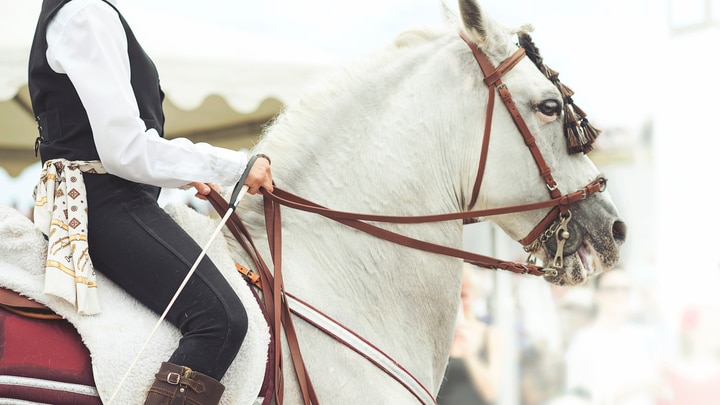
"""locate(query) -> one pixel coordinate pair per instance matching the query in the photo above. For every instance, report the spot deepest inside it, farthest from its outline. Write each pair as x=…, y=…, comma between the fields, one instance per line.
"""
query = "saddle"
x=43, y=359
x=24, y=306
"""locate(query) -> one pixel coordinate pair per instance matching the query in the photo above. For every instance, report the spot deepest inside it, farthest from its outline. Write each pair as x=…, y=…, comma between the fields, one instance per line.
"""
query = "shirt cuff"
x=229, y=166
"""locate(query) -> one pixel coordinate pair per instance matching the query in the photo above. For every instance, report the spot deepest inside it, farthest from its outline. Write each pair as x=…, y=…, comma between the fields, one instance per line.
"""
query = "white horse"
x=400, y=133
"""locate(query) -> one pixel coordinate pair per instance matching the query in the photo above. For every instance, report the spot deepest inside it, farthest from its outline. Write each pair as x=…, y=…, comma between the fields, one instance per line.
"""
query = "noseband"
x=556, y=222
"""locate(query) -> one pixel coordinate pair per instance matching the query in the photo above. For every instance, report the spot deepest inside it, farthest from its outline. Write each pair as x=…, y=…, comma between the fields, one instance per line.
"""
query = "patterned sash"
x=61, y=214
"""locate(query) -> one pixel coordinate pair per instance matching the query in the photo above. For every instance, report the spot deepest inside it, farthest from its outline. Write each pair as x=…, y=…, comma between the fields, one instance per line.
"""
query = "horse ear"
x=478, y=25
x=449, y=17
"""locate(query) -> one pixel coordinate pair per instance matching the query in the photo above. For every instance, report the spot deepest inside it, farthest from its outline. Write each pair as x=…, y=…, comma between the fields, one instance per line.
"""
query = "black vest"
x=62, y=120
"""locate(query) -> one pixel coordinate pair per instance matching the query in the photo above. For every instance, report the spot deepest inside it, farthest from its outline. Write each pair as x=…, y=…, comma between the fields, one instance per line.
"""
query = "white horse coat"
x=400, y=133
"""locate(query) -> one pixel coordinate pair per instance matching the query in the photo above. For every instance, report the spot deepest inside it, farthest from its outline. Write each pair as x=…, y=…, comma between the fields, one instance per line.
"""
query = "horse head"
x=582, y=240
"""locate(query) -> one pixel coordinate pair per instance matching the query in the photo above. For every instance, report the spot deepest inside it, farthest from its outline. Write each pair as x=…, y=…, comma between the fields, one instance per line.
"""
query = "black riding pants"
x=138, y=246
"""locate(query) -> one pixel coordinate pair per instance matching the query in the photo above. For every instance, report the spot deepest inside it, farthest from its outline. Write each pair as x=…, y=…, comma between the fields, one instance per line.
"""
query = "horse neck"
x=373, y=139
x=374, y=143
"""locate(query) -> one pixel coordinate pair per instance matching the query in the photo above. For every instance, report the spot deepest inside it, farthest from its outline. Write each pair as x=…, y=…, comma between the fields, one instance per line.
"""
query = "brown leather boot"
x=178, y=385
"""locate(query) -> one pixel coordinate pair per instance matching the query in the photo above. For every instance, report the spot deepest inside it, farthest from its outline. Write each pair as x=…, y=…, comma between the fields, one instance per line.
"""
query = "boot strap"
x=178, y=379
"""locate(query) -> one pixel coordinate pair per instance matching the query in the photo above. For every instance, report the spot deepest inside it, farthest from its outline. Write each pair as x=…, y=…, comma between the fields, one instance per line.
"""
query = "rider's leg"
x=138, y=246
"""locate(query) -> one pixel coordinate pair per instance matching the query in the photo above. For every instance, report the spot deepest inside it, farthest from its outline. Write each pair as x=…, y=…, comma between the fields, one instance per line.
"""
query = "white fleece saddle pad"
x=115, y=336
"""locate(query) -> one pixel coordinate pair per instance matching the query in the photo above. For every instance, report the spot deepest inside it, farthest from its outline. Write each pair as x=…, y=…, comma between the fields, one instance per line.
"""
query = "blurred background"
x=644, y=70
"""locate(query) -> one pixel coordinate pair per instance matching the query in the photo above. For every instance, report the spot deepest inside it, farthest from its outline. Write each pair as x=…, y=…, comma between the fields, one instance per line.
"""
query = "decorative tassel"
x=573, y=130
x=582, y=137
x=579, y=112
x=546, y=72
x=575, y=137
x=591, y=132
x=579, y=132
x=566, y=91
x=552, y=74
x=595, y=131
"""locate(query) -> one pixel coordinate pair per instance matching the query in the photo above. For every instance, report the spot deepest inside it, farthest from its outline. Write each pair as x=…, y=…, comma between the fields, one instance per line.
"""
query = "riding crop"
x=238, y=193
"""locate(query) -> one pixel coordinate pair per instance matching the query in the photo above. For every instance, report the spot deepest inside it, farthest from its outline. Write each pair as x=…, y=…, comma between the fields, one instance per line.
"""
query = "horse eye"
x=549, y=107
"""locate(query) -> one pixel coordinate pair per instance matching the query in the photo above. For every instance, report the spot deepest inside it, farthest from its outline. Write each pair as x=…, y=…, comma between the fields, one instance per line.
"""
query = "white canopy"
x=221, y=85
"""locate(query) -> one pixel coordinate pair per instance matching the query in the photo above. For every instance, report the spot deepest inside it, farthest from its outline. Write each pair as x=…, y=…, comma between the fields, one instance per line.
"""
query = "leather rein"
x=276, y=300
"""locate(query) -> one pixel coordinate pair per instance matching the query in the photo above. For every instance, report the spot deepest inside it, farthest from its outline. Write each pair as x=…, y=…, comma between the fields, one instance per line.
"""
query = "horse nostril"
x=619, y=230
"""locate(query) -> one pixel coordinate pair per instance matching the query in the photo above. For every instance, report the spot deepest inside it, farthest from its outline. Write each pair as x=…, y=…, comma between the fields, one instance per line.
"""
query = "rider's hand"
x=203, y=189
x=260, y=176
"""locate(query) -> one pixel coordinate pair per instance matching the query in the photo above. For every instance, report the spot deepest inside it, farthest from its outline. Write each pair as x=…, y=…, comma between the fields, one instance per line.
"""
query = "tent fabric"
x=221, y=86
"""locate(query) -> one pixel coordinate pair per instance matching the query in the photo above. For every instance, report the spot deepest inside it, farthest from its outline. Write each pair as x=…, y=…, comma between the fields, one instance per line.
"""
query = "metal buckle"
x=173, y=378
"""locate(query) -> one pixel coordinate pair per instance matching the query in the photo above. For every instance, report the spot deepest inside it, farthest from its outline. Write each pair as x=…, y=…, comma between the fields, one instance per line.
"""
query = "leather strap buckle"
x=173, y=378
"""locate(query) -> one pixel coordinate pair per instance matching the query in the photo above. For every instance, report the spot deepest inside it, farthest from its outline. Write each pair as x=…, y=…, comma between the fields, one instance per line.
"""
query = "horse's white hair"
x=400, y=133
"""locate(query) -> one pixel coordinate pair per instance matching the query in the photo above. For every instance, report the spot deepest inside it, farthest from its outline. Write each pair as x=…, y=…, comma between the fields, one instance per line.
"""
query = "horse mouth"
x=579, y=266
x=594, y=242
x=587, y=258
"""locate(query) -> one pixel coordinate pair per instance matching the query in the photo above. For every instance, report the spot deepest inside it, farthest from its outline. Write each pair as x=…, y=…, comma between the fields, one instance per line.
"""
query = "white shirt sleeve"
x=86, y=41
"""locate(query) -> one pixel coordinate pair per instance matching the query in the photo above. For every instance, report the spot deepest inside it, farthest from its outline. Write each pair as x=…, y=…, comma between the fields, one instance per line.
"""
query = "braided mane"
x=579, y=132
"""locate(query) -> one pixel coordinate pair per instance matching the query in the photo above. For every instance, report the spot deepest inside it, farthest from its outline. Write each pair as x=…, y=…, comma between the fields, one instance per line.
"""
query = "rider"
x=98, y=103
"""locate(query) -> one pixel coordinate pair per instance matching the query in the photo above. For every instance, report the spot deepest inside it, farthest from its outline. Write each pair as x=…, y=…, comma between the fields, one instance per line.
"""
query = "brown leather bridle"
x=274, y=297
x=558, y=218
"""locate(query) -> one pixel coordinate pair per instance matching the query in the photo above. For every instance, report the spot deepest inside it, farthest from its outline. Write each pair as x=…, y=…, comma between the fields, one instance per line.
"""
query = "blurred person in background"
x=693, y=378
x=576, y=311
x=473, y=370
x=542, y=364
x=612, y=359
x=548, y=315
